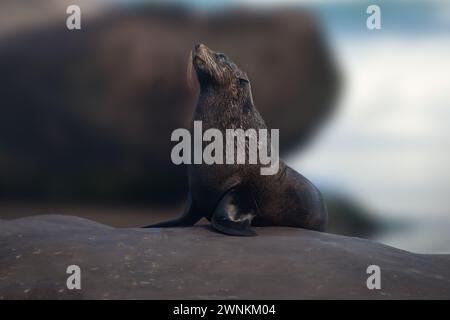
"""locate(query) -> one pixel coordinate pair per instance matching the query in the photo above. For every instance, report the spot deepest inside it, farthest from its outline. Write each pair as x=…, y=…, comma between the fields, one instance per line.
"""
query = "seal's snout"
x=200, y=50
x=198, y=59
x=202, y=58
x=203, y=61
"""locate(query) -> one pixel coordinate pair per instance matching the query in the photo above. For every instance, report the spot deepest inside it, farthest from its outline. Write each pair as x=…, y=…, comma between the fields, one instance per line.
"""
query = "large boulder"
x=198, y=263
x=87, y=115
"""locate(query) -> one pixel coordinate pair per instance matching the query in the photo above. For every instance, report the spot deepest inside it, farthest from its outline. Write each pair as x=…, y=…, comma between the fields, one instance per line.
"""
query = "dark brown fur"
x=283, y=199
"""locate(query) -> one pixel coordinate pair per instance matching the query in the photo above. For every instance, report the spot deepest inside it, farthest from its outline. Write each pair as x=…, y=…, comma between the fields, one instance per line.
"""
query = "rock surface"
x=197, y=263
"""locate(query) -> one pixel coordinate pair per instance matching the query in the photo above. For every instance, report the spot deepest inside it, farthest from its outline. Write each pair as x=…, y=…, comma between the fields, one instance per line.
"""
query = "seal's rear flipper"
x=189, y=218
x=234, y=213
x=183, y=221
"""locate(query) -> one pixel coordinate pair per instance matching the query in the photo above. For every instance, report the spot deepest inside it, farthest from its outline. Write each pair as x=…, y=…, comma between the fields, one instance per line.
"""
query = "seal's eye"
x=221, y=57
x=243, y=81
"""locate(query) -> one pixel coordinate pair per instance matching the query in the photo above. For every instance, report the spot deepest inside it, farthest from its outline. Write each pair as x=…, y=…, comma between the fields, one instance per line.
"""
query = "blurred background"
x=86, y=116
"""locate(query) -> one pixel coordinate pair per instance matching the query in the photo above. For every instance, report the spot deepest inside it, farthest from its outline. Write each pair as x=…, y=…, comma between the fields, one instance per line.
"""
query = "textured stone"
x=197, y=263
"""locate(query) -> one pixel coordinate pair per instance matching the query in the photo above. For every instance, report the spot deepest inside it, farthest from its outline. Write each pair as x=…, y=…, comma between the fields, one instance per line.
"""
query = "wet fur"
x=284, y=199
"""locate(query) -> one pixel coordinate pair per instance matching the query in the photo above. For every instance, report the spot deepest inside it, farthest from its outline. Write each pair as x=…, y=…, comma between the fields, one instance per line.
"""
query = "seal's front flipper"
x=234, y=213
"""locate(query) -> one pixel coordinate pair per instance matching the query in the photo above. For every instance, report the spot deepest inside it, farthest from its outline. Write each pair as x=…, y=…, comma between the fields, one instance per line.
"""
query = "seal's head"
x=215, y=70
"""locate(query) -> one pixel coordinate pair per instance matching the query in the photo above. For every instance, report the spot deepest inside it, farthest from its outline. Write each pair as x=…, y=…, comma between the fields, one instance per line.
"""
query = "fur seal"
x=236, y=197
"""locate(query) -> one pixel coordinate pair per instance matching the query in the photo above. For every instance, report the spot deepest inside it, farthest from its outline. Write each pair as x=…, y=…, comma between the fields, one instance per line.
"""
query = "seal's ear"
x=242, y=76
x=234, y=213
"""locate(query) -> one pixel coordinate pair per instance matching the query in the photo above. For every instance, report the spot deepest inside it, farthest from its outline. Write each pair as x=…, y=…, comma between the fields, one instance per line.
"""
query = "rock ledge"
x=197, y=263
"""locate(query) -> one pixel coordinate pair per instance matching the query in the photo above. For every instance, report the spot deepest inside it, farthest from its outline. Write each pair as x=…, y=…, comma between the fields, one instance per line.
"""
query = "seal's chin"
x=197, y=64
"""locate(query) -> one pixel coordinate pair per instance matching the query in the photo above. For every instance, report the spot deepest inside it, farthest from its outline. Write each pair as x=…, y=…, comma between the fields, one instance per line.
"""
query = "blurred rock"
x=16, y=16
x=87, y=115
x=348, y=217
x=197, y=263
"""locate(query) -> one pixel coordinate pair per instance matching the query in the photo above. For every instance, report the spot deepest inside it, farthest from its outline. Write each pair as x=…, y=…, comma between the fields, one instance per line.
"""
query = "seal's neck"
x=219, y=95
x=221, y=110
x=211, y=90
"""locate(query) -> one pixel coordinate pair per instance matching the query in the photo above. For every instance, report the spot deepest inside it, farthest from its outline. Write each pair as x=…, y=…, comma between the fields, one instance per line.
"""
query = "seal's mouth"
x=197, y=61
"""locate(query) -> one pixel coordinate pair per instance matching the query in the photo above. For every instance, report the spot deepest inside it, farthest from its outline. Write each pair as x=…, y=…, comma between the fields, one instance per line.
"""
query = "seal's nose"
x=199, y=47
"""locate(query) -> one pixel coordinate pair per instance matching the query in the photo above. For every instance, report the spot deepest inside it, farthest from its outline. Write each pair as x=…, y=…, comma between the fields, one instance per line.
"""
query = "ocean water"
x=388, y=145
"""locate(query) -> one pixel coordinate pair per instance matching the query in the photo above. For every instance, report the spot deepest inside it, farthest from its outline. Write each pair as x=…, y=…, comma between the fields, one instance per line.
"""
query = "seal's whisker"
x=190, y=66
x=221, y=105
x=211, y=65
x=214, y=68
